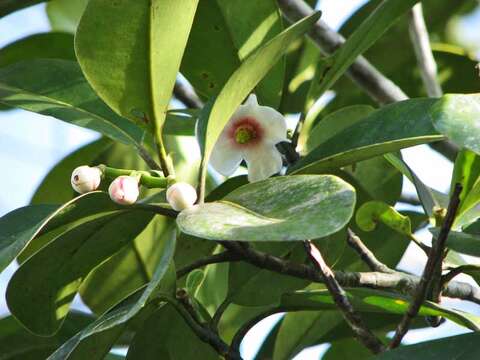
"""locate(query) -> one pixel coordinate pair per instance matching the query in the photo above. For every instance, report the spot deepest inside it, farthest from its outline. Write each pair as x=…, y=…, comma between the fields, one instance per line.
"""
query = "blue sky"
x=31, y=144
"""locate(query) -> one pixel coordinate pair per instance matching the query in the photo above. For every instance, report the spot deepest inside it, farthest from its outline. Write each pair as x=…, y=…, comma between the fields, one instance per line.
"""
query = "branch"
x=423, y=52
x=353, y=319
x=397, y=281
x=366, y=255
x=213, y=259
x=434, y=261
x=187, y=95
x=145, y=155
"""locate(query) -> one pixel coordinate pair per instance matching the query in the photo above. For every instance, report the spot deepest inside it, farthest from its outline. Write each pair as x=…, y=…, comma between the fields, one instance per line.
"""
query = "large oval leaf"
x=388, y=129
x=278, y=209
x=136, y=73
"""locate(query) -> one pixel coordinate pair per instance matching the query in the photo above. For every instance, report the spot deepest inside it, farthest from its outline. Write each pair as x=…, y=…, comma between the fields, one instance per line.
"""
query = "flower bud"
x=85, y=179
x=181, y=195
x=124, y=190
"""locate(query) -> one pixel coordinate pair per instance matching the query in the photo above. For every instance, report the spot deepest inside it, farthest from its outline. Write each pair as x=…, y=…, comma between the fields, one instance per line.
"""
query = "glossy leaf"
x=334, y=123
x=64, y=15
x=222, y=37
x=59, y=89
x=458, y=118
x=129, y=74
x=373, y=212
x=317, y=206
x=388, y=129
x=53, y=275
x=455, y=347
x=52, y=45
x=375, y=301
x=215, y=115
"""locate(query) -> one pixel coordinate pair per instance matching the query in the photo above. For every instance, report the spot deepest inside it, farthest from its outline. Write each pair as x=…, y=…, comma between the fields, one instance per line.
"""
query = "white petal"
x=262, y=161
x=273, y=123
x=251, y=101
x=225, y=157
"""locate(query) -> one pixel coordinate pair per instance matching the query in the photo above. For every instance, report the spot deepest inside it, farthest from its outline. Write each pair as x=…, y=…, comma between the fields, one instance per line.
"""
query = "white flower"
x=124, y=190
x=251, y=134
x=85, y=179
x=181, y=195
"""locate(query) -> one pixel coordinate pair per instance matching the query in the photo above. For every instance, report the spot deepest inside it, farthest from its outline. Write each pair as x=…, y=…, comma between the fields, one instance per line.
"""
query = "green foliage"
x=261, y=212
x=189, y=284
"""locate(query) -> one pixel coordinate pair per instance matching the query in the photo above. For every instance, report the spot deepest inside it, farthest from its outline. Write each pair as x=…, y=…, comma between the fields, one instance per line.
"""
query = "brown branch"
x=213, y=259
x=353, y=319
x=434, y=261
x=397, y=281
x=366, y=255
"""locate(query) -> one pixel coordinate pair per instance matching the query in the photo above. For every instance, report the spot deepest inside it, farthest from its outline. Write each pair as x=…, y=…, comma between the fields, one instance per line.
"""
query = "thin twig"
x=365, y=254
x=423, y=52
x=145, y=155
x=187, y=95
x=353, y=319
x=434, y=259
x=213, y=259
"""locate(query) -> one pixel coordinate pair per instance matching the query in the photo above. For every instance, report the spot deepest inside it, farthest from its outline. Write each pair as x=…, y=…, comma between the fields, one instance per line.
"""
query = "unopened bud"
x=181, y=195
x=85, y=179
x=124, y=190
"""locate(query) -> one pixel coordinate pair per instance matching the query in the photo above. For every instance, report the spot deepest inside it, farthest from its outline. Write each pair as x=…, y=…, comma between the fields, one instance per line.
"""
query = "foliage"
x=189, y=284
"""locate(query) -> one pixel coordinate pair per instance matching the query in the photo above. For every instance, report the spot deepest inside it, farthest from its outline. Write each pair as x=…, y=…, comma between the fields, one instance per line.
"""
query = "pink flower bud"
x=85, y=179
x=181, y=196
x=124, y=190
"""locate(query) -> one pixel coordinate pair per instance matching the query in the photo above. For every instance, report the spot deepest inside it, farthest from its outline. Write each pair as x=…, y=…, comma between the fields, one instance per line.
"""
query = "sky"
x=31, y=144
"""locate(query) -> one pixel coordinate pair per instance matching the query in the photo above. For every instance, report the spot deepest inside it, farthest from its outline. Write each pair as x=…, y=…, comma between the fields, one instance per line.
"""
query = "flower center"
x=244, y=134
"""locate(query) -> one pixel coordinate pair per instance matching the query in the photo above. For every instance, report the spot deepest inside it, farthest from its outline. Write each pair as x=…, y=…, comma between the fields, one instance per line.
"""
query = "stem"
x=213, y=259
x=434, y=260
x=144, y=154
x=353, y=319
x=165, y=163
x=365, y=254
x=423, y=52
x=147, y=179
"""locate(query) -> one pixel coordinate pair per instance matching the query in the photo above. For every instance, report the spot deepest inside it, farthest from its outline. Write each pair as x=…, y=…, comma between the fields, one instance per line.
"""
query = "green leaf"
x=52, y=45
x=317, y=206
x=19, y=227
x=58, y=88
x=194, y=281
x=127, y=270
x=373, y=212
x=231, y=30
x=55, y=187
x=461, y=242
x=427, y=196
x=19, y=344
x=177, y=339
x=134, y=76
x=375, y=301
x=215, y=115
x=10, y=6
x=53, y=275
x=454, y=347
x=334, y=123
x=367, y=33
x=64, y=15
x=393, y=127
x=457, y=116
